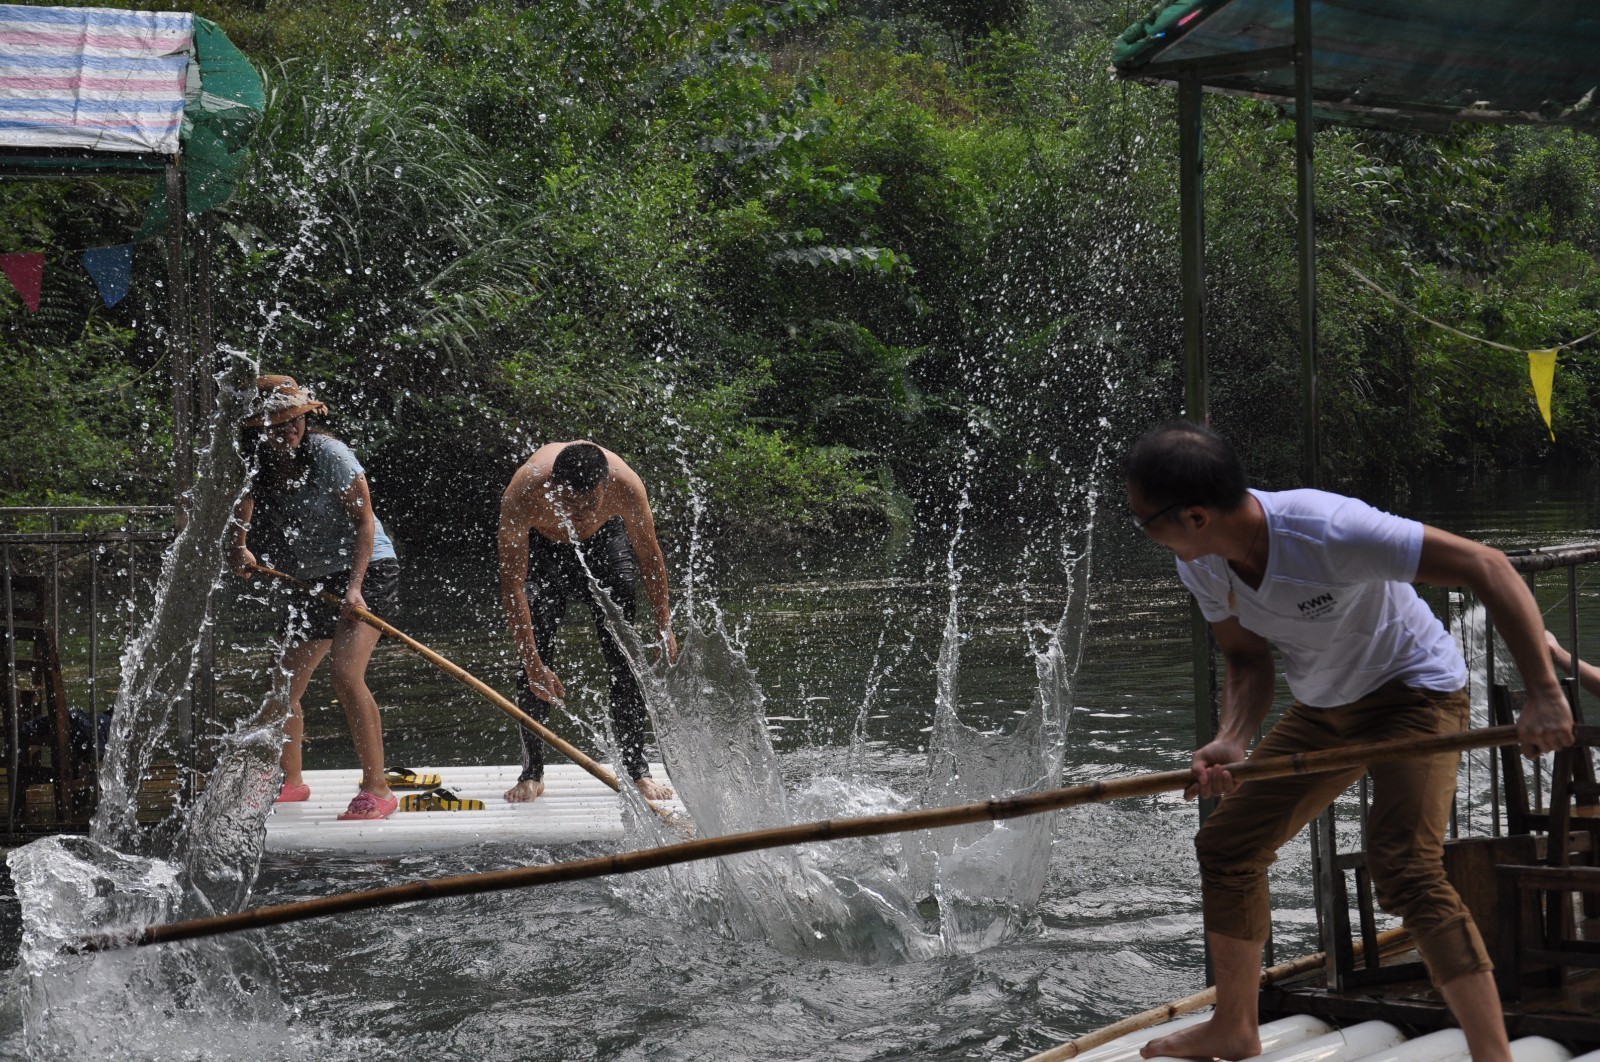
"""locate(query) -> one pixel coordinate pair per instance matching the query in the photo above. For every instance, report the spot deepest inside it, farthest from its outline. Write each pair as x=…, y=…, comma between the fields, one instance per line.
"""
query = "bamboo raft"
x=575, y=808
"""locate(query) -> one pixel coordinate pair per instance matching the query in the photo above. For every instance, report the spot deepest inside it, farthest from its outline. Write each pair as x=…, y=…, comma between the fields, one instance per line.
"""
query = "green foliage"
x=815, y=256
x=81, y=426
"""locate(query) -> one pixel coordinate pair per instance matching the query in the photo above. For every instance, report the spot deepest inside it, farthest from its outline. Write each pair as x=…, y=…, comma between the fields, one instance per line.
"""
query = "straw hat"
x=280, y=399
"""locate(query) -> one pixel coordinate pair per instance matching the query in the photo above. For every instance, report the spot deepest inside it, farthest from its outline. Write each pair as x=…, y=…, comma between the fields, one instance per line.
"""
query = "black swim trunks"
x=313, y=619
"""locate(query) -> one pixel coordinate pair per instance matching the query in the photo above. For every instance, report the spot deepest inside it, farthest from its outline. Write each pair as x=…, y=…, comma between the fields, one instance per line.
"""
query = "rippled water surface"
x=844, y=648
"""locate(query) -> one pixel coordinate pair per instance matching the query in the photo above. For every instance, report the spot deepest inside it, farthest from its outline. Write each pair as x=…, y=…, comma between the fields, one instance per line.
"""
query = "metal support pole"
x=205, y=340
x=178, y=342
x=1192, y=222
x=1575, y=687
x=94, y=657
x=1305, y=128
x=1197, y=403
x=204, y=694
x=17, y=793
x=1192, y=237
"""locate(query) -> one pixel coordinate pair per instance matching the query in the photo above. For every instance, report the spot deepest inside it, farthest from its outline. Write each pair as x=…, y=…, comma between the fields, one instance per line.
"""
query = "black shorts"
x=313, y=619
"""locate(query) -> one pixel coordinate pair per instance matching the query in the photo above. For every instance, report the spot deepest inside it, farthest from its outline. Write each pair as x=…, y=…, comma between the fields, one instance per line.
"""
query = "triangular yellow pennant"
x=1542, y=369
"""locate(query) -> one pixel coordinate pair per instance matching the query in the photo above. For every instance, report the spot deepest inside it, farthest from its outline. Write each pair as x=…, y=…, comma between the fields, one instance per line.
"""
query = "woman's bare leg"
x=353, y=642
x=289, y=681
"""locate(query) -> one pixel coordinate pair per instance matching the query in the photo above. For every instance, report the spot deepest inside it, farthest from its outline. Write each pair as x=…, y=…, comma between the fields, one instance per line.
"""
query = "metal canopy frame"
x=1222, y=72
x=1191, y=78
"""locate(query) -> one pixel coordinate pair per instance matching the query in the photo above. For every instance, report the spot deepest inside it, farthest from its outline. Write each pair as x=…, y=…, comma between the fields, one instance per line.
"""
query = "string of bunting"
x=1541, y=363
x=111, y=269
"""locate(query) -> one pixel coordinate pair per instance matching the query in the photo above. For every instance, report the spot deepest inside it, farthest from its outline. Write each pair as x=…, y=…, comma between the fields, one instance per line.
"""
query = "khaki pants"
x=1405, y=830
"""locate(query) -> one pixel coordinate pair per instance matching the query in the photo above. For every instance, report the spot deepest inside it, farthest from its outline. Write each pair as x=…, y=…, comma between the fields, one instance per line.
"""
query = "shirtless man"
x=572, y=497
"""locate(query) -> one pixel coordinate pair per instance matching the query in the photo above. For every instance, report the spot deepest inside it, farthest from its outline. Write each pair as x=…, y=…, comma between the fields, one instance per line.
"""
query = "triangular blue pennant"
x=111, y=268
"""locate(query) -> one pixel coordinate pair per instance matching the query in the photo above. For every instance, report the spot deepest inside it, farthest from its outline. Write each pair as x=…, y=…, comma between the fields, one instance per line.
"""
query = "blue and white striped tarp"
x=93, y=78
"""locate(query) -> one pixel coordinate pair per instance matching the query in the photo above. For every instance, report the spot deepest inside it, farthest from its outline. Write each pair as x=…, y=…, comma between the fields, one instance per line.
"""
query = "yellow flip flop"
x=439, y=800
x=406, y=778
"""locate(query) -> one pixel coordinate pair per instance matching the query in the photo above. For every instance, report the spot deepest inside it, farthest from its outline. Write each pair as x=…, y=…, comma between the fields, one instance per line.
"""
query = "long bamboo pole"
x=825, y=830
x=1189, y=1004
x=461, y=674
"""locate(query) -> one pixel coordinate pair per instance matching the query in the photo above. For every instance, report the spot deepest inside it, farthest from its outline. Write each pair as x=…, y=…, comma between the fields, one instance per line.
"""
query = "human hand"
x=1208, y=763
x=668, y=643
x=1545, y=723
x=545, y=683
x=242, y=562
x=353, y=599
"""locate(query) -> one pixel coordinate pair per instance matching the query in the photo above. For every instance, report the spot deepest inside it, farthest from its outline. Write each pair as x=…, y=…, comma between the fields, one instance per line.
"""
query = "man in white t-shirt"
x=1327, y=580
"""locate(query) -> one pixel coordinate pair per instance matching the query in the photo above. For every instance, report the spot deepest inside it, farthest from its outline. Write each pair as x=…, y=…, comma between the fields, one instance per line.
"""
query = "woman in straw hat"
x=312, y=513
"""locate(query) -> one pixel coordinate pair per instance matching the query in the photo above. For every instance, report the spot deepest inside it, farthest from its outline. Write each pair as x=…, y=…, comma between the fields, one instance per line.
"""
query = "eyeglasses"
x=1141, y=525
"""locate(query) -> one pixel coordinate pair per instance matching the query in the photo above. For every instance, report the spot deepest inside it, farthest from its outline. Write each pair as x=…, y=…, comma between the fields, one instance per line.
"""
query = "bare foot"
x=524, y=791
x=651, y=789
x=1206, y=1040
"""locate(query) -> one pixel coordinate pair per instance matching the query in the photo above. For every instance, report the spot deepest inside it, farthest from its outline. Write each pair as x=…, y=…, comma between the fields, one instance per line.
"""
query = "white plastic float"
x=575, y=808
x=1275, y=1035
x=1307, y=1039
x=1449, y=1045
x=1340, y=1045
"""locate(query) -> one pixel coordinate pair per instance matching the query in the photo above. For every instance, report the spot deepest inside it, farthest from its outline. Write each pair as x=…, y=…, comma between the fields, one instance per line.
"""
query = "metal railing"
x=72, y=583
x=1477, y=630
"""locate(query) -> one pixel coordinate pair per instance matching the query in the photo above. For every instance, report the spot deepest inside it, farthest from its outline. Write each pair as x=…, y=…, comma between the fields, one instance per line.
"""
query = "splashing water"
x=160, y=1002
x=987, y=877
x=844, y=900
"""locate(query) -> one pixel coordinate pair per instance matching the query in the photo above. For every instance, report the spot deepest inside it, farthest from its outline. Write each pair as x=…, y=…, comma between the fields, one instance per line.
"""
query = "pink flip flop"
x=291, y=794
x=367, y=806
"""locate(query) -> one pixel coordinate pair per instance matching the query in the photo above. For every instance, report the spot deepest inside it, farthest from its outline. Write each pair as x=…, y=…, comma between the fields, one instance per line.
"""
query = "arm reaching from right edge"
x=1588, y=674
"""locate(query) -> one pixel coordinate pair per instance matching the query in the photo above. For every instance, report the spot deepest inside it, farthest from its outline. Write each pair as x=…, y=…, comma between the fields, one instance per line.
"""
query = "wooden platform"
x=575, y=808
x=1567, y=1012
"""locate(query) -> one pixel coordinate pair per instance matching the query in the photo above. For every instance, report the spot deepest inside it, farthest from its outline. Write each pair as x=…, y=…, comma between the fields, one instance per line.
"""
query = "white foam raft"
x=575, y=808
x=1306, y=1039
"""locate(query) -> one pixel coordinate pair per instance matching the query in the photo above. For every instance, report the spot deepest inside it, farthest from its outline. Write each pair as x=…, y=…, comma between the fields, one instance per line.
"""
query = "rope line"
x=1391, y=297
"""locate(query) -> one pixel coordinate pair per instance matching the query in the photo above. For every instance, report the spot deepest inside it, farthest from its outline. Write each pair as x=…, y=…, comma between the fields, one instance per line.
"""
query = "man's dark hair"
x=1182, y=463
x=580, y=467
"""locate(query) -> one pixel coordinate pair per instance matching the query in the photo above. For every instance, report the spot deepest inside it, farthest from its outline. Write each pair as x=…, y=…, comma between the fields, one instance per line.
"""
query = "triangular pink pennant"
x=26, y=273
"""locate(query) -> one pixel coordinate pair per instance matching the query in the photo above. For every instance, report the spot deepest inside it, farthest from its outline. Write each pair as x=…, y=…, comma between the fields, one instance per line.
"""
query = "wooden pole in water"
x=825, y=830
x=549, y=736
x=1189, y=1004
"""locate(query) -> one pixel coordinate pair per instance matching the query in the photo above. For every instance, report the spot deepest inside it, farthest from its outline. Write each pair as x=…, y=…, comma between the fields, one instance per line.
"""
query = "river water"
x=844, y=645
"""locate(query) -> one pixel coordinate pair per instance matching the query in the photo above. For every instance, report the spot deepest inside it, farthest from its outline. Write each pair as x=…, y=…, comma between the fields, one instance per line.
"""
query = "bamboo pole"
x=461, y=674
x=998, y=808
x=1189, y=1004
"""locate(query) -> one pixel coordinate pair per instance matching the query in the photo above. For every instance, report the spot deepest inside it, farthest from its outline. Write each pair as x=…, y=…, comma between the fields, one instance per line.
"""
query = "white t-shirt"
x=1336, y=599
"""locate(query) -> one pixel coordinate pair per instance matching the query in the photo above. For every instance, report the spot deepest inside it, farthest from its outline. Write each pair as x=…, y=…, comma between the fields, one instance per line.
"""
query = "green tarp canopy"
x=217, y=125
x=1397, y=63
